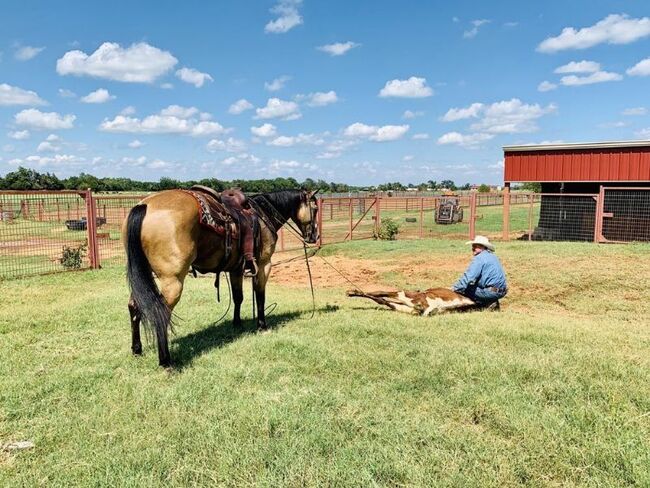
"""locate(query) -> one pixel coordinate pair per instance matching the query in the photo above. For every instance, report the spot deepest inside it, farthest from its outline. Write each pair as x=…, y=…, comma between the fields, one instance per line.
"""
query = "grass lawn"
x=552, y=391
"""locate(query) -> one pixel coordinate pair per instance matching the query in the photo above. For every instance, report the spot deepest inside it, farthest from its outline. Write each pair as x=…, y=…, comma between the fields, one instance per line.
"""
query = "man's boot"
x=493, y=307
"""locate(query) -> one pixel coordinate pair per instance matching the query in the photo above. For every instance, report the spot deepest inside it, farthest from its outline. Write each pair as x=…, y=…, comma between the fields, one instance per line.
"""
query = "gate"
x=623, y=215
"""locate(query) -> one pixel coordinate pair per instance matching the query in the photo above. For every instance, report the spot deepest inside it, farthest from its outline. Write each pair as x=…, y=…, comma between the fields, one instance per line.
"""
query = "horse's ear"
x=313, y=193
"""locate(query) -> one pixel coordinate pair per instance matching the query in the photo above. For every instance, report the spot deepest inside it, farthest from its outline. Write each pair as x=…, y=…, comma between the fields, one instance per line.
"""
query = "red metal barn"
x=599, y=189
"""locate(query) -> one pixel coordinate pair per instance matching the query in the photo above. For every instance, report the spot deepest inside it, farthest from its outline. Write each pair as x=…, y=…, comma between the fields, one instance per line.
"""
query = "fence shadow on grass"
x=218, y=335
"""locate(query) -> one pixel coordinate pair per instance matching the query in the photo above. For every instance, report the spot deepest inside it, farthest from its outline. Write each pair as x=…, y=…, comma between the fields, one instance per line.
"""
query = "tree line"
x=30, y=179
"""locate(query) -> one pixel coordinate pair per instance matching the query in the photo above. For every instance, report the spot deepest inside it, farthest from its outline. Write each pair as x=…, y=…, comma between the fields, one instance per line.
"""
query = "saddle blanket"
x=213, y=214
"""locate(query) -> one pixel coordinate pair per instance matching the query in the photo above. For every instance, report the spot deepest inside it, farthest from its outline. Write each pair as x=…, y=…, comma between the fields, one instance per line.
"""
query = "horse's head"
x=306, y=216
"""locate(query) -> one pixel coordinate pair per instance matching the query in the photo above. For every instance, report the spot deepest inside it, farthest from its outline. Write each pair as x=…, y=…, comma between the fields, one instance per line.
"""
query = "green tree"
x=484, y=188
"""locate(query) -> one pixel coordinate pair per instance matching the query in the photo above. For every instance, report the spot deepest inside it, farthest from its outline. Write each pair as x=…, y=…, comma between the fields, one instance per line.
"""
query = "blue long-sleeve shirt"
x=485, y=271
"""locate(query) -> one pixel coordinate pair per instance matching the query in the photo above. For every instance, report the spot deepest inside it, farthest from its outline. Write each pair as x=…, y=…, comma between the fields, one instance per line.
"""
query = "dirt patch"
x=365, y=273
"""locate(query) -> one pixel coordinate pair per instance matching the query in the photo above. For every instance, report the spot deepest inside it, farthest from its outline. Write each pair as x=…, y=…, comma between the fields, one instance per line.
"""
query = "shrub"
x=72, y=257
x=388, y=230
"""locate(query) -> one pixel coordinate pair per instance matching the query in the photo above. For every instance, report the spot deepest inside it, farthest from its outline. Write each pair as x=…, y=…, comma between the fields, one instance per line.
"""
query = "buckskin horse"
x=163, y=235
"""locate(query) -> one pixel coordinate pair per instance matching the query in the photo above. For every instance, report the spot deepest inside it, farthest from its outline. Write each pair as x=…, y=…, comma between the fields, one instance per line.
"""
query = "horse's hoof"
x=137, y=351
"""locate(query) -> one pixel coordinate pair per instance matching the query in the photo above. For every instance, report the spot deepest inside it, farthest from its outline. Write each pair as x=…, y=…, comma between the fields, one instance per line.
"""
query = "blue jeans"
x=482, y=296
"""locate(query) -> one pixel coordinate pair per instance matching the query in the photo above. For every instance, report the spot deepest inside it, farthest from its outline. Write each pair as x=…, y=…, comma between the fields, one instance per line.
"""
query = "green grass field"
x=552, y=391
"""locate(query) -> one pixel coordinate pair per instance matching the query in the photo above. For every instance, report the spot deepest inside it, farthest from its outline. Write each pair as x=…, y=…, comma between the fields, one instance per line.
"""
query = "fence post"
x=472, y=215
x=350, y=213
x=506, y=213
x=91, y=228
x=319, y=221
x=600, y=210
x=377, y=213
x=421, y=217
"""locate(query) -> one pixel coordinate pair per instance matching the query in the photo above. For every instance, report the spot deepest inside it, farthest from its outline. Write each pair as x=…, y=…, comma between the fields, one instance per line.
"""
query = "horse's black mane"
x=285, y=202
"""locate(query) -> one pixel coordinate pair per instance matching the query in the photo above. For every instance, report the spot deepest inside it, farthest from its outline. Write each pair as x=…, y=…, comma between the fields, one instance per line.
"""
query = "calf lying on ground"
x=427, y=302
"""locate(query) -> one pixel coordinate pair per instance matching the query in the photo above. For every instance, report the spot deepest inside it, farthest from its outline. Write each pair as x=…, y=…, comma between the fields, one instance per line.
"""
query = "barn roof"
x=576, y=145
x=578, y=162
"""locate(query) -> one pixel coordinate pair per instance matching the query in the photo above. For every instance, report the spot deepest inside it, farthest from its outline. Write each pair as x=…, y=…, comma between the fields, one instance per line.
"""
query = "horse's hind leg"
x=171, y=289
x=134, y=312
x=237, y=282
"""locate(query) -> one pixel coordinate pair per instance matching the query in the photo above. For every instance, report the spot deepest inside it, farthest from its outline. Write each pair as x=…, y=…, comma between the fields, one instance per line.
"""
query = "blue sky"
x=359, y=92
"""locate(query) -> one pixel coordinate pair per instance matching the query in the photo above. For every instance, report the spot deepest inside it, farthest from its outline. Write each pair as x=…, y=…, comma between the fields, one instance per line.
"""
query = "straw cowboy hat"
x=482, y=241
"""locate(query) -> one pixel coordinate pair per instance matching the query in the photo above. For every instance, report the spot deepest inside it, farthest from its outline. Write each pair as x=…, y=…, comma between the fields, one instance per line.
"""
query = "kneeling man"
x=484, y=281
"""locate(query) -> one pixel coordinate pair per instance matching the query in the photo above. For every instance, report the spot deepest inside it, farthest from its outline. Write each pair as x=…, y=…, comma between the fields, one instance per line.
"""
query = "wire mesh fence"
x=42, y=232
x=111, y=211
x=625, y=215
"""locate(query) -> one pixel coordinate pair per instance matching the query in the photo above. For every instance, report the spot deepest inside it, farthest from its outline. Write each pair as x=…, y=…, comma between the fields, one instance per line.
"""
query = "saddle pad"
x=213, y=214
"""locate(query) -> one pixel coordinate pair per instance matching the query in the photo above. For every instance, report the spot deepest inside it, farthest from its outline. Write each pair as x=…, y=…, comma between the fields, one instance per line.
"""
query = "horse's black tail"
x=153, y=308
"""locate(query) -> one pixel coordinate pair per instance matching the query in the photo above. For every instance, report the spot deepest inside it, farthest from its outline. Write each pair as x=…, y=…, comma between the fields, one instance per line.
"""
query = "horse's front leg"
x=236, y=280
x=260, y=294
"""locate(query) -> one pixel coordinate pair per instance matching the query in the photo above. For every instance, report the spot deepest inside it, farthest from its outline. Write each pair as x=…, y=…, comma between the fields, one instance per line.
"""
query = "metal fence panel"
x=626, y=215
x=42, y=232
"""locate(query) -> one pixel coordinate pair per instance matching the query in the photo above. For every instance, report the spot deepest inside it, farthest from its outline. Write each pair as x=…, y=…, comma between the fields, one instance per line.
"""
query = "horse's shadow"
x=217, y=335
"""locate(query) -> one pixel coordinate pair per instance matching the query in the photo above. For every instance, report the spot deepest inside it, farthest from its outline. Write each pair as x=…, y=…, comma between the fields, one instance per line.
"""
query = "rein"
x=282, y=221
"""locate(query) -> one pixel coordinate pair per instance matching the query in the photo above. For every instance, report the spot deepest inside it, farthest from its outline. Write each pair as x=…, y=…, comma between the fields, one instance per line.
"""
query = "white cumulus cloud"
x=290, y=141
x=464, y=139
x=264, y=130
x=454, y=114
x=193, y=77
x=12, y=95
x=240, y=106
x=338, y=48
x=138, y=63
x=320, y=99
x=642, y=68
x=277, y=84
x=409, y=114
x=578, y=67
x=25, y=53
x=229, y=145
x=278, y=109
x=597, y=77
x=171, y=120
x=420, y=136
x=135, y=144
x=19, y=135
x=375, y=133
x=545, y=86
x=35, y=119
x=613, y=29
x=414, y=87
x=288, y=17
x=98, y=96
x=511, y=117
x=65, y=93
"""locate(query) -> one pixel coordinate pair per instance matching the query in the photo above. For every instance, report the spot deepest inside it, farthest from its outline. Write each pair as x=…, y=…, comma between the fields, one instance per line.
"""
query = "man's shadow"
x=220, y=334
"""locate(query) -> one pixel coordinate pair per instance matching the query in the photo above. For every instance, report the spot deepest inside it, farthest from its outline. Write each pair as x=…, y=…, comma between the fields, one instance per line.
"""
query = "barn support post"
x=531, y=199
x=319, y=204
x=91, y=229
x=600, y=210
x=506, y=212
x=472, y=215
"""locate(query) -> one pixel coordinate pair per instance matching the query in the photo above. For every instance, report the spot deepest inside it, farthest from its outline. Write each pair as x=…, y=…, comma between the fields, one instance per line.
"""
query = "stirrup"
x=251, y=273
